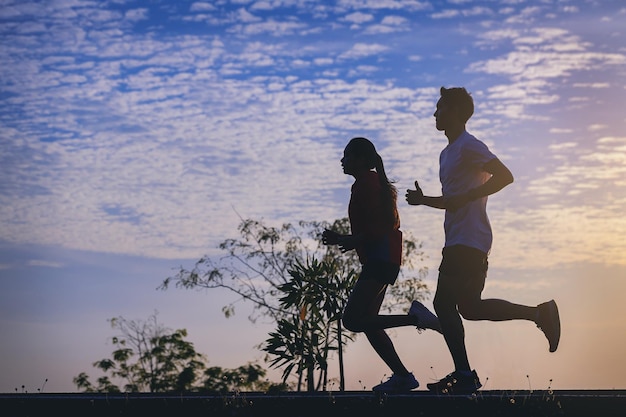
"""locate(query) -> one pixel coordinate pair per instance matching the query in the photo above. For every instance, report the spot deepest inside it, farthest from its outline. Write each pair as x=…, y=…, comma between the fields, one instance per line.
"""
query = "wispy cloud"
x=44, y=263
x=360, y=50
x=151, y=138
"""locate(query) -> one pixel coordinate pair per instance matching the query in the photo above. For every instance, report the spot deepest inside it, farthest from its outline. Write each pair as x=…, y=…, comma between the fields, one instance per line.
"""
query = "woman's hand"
x=330, y=237
x=349, y=242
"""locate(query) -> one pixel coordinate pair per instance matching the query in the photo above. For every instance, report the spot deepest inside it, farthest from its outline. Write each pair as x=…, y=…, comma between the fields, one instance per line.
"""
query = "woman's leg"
x=361, y=315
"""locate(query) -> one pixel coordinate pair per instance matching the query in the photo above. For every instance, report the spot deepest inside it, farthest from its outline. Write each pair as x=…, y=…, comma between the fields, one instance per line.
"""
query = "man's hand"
x=415, y=197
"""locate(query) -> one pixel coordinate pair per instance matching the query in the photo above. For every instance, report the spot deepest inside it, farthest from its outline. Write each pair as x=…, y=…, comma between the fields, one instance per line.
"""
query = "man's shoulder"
x=471, y=142
x=468, y=137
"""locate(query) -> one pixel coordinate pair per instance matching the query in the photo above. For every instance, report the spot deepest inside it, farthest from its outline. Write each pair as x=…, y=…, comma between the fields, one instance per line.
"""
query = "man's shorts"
x=385, y=272
x=463, y=270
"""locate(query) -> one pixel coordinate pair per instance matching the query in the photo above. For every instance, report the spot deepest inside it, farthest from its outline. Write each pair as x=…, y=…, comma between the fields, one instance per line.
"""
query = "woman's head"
x=364, y=148
x=360, y=155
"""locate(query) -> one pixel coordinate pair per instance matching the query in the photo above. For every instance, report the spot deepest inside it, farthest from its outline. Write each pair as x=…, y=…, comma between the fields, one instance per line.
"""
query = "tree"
x=148, y=357
x=316, y=295
x=151, y=358
x=249, y=377
x=262, y=267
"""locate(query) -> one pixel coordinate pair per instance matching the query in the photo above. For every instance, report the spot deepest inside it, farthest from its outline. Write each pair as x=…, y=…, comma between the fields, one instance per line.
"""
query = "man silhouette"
x=469, y=172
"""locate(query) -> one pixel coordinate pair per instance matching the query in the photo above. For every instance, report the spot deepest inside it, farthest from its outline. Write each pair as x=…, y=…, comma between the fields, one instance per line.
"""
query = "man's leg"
x=450, y=320
x=495, y=310
x=463, y=380
x=545, y=315
x=472, y=307
x=460, y=276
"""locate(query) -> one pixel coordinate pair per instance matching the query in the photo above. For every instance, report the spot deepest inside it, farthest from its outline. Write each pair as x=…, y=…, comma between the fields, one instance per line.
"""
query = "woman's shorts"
x=385, y=272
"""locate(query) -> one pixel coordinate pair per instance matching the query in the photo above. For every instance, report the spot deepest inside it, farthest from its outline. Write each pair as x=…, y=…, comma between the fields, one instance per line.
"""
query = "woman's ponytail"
x=389, y=195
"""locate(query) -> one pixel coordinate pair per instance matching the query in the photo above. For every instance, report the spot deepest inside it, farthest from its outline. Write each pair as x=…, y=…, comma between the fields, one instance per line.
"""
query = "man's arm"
x=416, y=197
x=500, y=178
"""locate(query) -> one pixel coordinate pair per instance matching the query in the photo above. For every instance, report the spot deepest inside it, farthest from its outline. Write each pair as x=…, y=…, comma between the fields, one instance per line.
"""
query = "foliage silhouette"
x=269, y=267
x=151, y=358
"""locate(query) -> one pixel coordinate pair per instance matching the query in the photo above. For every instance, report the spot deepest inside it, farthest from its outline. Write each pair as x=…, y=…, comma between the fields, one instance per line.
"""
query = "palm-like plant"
x=315, y=296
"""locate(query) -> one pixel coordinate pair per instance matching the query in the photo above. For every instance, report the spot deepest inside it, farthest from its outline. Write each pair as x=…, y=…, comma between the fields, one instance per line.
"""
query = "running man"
x=469, y=172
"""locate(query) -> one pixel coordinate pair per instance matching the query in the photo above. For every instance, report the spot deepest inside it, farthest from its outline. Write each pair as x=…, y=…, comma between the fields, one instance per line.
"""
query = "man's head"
x=455, y=107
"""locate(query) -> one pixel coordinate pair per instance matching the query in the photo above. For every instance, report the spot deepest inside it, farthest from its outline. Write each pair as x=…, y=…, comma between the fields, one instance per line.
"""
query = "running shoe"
x=549, y=323
x=397, y=383
x=425, y=319
x=456, y=383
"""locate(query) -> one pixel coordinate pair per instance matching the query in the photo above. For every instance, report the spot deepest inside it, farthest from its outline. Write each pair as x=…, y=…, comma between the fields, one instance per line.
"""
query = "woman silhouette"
x=377, y=239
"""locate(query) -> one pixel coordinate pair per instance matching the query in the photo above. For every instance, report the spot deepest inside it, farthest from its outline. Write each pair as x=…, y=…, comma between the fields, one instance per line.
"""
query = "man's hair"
x=459, y=97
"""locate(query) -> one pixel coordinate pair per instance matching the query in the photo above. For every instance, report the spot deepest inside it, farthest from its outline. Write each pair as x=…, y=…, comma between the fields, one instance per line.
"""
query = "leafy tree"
x=150, y=358
x=285, y=273
x=316, y=294
x=249, y=377
x=254, y=266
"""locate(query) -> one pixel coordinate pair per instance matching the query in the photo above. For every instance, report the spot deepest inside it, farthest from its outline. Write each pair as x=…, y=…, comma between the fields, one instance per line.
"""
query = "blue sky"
x=133, y=135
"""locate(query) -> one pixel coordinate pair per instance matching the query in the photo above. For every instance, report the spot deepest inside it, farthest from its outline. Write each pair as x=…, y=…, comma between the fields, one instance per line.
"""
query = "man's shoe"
x=397, y=383
x=425, y=319
x=549, y=323
x=456, y=383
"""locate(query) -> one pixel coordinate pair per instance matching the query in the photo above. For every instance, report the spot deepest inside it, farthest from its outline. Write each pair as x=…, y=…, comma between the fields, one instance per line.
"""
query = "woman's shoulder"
x=367, y=181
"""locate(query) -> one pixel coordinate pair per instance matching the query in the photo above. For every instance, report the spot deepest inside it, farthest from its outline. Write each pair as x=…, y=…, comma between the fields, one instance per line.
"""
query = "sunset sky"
x=134, y=134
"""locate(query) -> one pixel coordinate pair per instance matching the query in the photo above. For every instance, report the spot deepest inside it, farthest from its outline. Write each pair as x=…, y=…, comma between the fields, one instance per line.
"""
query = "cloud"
x=561, y=131
x=136, y=14
x=539, y=56
x=360, y=50
x=446, y=14
x=44, y=263
x=242, y=15
x=359, y=17
x=409, y=5
x=389, y=24
x=201, y=6
x=596, y=127
x=151, y=143
x=592, y=85
x=271, y=26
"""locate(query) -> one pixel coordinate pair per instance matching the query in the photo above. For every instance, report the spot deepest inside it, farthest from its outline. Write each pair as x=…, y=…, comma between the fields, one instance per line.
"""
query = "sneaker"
x=549, y=323
x=456, y=383
x=425, y=319
x=397, y=383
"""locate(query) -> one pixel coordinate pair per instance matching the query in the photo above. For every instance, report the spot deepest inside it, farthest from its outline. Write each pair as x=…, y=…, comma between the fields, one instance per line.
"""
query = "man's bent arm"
x=434, y=202
x=500, y=178
x=416, y=198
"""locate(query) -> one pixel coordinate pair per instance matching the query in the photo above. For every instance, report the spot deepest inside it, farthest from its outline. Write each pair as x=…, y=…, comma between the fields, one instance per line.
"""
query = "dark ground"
x=607, y=403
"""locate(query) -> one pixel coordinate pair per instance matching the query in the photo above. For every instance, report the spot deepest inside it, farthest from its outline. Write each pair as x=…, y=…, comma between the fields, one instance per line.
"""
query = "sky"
x=134, y=136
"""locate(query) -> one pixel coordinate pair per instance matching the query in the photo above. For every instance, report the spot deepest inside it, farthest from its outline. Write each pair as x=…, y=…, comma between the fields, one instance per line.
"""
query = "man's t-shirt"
x=461, y=169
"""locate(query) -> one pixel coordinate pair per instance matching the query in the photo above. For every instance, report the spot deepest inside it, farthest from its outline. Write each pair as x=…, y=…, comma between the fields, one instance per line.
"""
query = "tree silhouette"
x=151, y=358
x=288, y=275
